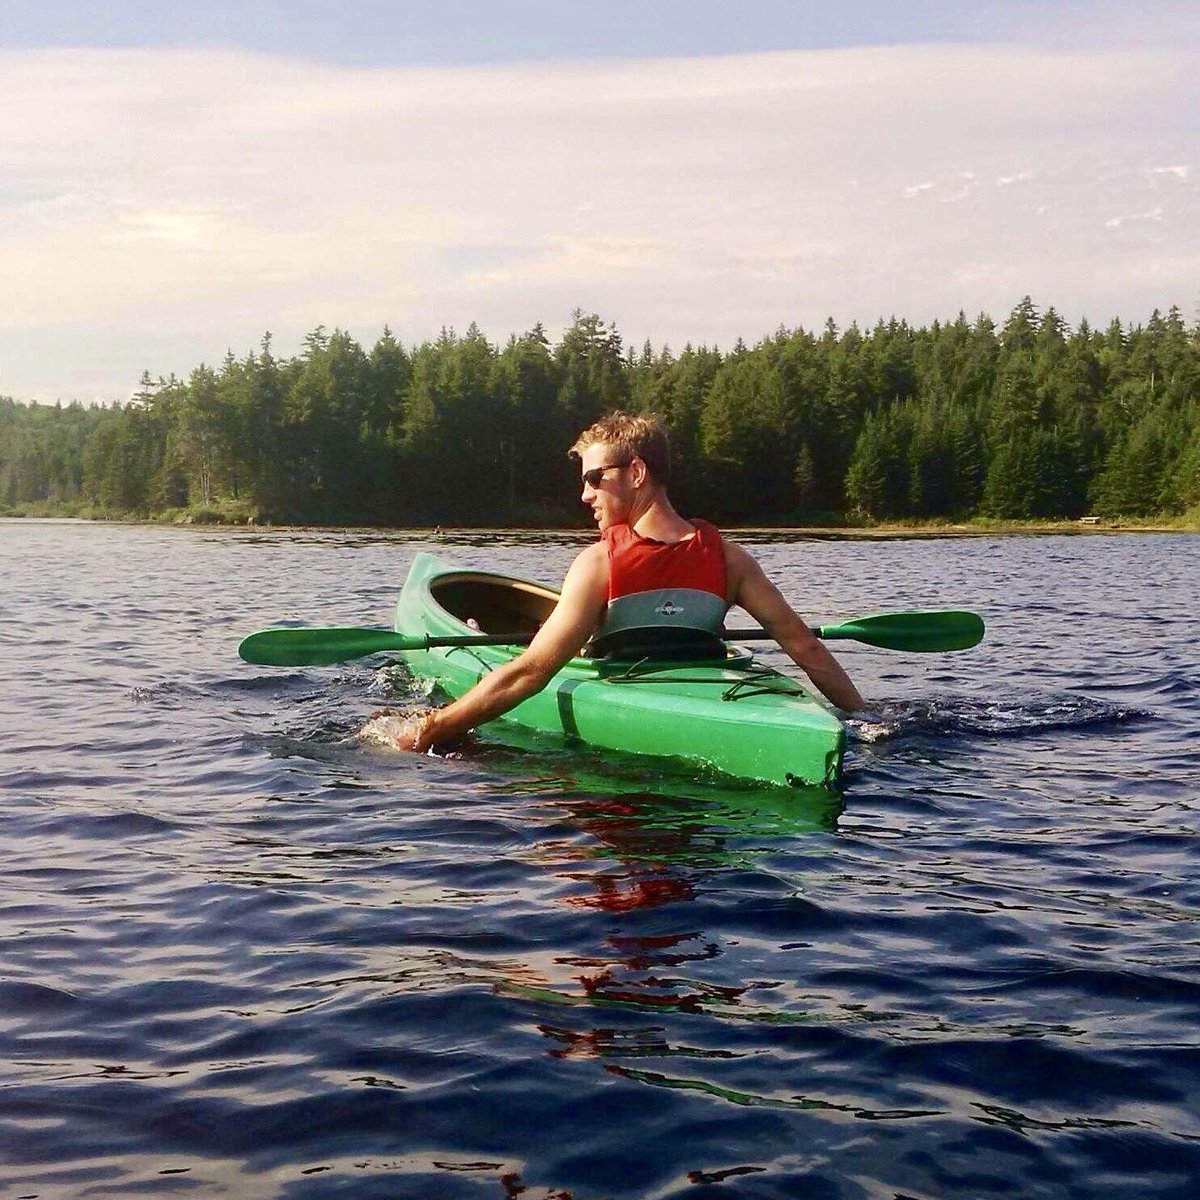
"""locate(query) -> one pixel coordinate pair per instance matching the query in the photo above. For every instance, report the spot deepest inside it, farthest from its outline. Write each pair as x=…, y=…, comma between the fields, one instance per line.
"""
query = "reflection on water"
x=245, y=955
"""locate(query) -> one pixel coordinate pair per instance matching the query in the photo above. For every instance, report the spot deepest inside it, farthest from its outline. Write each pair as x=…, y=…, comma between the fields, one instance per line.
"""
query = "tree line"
x=1027, y=419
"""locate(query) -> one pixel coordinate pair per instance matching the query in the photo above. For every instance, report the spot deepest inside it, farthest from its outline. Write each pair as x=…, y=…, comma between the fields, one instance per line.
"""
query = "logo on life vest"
x=668, y=608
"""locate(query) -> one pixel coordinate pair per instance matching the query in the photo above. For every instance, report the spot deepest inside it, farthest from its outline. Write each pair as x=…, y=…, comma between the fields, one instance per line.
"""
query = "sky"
x=176, y=181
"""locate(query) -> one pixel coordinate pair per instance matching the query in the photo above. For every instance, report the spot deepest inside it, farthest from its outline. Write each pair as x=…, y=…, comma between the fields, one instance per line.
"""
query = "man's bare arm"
x=765, y=603
x=564, y=633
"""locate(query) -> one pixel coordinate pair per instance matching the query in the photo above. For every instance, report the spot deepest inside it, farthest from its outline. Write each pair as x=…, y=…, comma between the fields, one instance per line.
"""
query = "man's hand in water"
x=394, y=728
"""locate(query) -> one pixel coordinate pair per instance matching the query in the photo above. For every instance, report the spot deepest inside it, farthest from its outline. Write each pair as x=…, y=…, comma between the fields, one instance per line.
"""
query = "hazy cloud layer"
x=157, y=207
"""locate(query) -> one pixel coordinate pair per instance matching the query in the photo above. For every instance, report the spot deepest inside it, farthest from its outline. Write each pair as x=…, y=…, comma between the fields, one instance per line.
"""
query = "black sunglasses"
x=592, y=478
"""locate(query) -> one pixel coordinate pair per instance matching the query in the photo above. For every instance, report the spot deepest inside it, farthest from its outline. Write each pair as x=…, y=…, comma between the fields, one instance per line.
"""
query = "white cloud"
x=1155, y=214
x=181, y=224
x=157, y=207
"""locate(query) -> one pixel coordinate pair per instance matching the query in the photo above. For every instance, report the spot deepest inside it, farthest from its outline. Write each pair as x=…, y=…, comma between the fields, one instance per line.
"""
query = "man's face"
x=608, y=493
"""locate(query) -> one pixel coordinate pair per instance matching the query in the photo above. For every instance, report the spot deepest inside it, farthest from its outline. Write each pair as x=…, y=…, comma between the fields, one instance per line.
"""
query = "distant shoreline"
x=951, y=529
x=884, y=531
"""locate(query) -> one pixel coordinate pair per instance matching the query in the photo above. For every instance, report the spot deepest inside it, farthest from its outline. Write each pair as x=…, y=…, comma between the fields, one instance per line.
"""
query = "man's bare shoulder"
x=589, y=571
x=734, y=551
x=594, y=551
x=592, y=558
x=739, y=564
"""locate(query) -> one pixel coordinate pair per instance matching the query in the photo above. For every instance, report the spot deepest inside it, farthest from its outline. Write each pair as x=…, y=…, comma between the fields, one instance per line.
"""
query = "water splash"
x=991, y=718
x=390, y=728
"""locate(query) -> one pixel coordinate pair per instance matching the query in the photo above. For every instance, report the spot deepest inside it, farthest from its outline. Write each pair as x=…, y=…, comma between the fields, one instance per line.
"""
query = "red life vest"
x=664, y=598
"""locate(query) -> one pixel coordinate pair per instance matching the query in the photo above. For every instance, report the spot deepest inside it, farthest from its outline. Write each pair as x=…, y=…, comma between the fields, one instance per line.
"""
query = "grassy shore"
x=995, y=527
x=975, y=527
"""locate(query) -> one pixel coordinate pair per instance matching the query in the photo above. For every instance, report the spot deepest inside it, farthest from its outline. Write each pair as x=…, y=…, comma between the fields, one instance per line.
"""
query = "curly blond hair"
x=633, y=435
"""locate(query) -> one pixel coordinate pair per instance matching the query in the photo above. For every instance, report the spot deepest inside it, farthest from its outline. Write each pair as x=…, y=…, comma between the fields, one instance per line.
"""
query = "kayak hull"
x=737, y=716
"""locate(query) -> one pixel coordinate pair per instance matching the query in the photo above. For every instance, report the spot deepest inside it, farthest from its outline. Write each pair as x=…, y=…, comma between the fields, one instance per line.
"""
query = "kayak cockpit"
x=493, y=604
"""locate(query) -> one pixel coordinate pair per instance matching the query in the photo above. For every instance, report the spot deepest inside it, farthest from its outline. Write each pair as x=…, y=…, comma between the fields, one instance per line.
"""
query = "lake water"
x=243, y=956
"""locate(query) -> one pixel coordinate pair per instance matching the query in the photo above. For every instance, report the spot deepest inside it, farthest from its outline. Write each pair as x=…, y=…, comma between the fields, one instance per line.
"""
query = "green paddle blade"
x=944, y=629
x=319, y=647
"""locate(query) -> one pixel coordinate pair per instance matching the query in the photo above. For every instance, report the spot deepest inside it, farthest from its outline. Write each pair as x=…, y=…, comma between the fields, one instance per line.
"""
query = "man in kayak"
x=624, y=591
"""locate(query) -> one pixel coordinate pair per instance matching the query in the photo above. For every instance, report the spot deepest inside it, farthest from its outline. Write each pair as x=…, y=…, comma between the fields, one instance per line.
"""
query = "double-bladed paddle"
x=942, y=629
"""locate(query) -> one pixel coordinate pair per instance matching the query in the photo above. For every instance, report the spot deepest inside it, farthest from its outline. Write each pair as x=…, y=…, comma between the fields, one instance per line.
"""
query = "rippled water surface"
x=244, y=956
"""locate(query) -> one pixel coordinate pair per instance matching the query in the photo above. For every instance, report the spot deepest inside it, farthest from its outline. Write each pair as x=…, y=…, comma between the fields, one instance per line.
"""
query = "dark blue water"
x=244, y=956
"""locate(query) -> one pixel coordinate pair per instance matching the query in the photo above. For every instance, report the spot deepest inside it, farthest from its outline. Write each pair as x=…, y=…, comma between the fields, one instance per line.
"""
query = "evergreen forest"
x=1026, y=419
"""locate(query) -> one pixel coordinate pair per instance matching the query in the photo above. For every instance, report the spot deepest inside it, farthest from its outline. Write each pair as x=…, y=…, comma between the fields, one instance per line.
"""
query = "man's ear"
x=640, y=472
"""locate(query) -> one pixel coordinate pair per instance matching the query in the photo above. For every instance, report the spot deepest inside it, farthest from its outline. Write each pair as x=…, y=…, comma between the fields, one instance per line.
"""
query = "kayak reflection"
x=652, y=859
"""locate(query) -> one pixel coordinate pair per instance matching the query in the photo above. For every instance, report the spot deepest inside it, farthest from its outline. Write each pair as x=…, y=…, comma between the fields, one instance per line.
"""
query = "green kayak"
x=738, y=715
